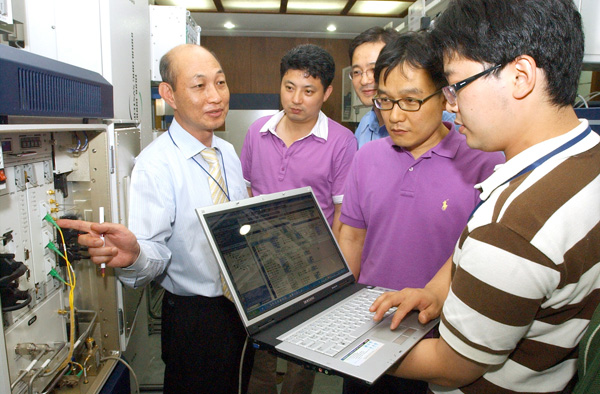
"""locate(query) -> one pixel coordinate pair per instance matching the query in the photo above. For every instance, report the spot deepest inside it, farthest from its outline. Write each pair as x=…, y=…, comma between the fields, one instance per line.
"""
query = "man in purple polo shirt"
x=298, y=147
x=408, y=196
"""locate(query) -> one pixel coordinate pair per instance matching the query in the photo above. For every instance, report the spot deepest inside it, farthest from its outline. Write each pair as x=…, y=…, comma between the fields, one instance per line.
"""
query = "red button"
x=2, y=176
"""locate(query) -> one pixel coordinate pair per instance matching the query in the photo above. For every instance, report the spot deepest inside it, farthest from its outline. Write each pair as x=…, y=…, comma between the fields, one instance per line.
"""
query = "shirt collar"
x=373, y=124
x=320, y=130
x=504, y=172
x=187, y=144
x=448, y=146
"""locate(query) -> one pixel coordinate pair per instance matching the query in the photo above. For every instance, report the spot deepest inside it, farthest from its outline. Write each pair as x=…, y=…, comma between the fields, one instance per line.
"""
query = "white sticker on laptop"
x=362, y=352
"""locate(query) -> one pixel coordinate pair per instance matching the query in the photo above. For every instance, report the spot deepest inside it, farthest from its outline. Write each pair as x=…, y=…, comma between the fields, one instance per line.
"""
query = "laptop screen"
x=275, y=250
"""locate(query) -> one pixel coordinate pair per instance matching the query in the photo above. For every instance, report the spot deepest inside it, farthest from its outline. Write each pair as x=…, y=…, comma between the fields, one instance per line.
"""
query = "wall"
x=585, y=83
x=252, y=64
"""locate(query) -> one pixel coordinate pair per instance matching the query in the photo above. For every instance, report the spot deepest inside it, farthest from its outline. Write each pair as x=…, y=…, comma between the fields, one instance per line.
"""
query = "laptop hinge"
x=267, y=324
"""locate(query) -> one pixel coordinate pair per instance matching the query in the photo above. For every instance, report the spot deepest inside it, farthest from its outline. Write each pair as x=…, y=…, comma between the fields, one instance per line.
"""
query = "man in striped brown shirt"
x=524, y=280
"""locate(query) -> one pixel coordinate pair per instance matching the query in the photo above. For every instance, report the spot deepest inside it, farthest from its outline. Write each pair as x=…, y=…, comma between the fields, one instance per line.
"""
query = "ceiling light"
x=304, y=6
x=228, y=25
x=375, y=7
x=255, y=5
x=331, y=28
x=196, y=5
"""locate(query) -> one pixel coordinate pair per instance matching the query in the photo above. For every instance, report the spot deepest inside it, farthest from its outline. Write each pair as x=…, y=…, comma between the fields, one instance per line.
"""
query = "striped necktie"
x=217, y=187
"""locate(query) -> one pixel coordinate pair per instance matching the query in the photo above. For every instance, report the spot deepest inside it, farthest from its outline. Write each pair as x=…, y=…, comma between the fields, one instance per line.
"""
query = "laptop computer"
x=287, y=276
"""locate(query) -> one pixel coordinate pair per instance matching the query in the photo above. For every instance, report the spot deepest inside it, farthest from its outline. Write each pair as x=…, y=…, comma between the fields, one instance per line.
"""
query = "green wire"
x=54, y=248
x=57, y=276
x=49, y=219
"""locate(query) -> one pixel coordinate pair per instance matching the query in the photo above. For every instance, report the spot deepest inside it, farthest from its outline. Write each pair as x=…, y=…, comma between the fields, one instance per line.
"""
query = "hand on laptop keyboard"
x=406, y=300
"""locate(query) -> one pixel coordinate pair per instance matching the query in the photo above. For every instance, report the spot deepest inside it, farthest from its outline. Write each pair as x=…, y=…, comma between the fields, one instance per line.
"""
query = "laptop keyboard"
x=332, y=332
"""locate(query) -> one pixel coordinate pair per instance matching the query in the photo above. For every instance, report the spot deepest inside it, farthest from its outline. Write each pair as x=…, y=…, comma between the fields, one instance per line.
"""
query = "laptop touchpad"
x=384, y=333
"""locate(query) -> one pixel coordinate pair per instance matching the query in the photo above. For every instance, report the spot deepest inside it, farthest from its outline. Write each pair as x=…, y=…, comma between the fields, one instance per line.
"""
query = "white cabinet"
x=65, y=30
x=169, y=26
x=110, y=37
x=422, y=9
x=125, y=29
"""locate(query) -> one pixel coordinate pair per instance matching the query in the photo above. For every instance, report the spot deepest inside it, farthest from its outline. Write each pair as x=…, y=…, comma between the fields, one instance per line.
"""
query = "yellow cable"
x=72, y=281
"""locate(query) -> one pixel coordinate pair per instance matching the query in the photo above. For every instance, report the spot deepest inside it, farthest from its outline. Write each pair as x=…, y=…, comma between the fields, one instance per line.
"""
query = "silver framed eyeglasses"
x=450, y=90
x=357, y=74
x=405, y=104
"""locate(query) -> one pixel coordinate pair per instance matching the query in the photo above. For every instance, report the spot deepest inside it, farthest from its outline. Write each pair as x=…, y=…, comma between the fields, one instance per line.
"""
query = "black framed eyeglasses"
x=450, y=90
x=405, y=104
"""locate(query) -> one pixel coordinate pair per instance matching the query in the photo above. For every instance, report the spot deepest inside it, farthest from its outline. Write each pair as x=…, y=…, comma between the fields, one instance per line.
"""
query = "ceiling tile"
x=251, y=6
x=365, y=7
x=316, y=6
x=196, y=5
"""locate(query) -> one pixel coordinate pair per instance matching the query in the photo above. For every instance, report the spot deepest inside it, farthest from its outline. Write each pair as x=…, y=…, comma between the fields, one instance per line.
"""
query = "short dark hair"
x=313, y=59
x=499, y=31
x=414, y=49
x=373, y=34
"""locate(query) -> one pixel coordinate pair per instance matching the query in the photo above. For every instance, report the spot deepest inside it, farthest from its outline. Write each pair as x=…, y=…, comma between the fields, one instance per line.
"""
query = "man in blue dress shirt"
x=363, y=52
x=202, y=335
